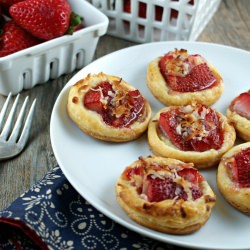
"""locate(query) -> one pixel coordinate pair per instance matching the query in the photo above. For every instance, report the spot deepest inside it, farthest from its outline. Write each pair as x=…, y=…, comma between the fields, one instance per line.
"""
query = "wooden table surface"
x=229, y=26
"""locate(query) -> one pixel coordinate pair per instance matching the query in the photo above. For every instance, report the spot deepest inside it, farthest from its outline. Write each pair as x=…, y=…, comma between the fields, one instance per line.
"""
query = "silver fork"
x=13, y=142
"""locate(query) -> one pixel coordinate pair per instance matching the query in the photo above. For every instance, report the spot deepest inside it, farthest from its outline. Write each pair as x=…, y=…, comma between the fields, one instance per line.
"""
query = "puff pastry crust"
x=238, y=113
x=165, y=194
x=195, y=133
x=233, y=177
x=118, y=113
x=183, y=66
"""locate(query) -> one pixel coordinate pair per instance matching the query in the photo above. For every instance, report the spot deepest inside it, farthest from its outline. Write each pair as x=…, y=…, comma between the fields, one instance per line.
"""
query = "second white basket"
x=157, y=20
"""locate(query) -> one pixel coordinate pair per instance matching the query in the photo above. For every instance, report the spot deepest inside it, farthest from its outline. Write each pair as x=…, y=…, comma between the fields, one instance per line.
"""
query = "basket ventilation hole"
x=141, y=31
x=173, y=15
x=26, y=79
x=112, y=25
x=126, y=27
x=110, y=5
x=54, y=69
x=142, y=10
x=79, y=59
x=158, y=13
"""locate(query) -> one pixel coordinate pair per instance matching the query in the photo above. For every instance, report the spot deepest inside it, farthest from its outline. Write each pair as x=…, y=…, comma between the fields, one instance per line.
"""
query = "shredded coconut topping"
x=192, y=124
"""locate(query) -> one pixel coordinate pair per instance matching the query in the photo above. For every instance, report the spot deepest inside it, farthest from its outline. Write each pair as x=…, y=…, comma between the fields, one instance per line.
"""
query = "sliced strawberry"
x=232, y=169
x=163, y=189
x=130, y=105
x=200, y=78
x=194, y=177
x=191, y=175
x=130, y=172
x=135, y=99
x=242, y=160
x=241, y=105
x=106, y=88
x=92, y=101
x=196, y=192
x=133, y=104
x=190, y=139
x=167, y=123
x=14, y=39
x=214, y=139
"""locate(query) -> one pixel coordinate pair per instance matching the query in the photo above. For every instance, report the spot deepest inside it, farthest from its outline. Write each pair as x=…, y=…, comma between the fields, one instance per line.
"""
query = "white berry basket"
x=51, y=59
x=157, y=20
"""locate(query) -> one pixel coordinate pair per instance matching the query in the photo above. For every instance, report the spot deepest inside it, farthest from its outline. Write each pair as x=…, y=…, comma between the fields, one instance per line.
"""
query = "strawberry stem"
x=75, y=20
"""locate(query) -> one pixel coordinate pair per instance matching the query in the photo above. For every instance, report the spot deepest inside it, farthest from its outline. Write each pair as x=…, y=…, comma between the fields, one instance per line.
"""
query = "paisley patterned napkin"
x=52, y=215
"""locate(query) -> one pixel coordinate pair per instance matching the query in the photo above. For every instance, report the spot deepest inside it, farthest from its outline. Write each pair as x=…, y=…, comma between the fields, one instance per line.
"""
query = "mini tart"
x=238, y=113
x=178, y=78
x=165, y=194
x=195, y=133
x=233, y=177
x=108, y=108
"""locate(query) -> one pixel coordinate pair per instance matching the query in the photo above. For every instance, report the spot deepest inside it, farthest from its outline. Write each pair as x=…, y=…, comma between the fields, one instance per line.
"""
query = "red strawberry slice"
x=242, y=160
x=241, y=105
x=191, y=175
x=130, y=172
x=135, y=103
x=14, y=38
x=92, y=101
x=163, y=189
x=169, y=121
x=92, y=98
x=198, y=79
x=106, y=88
x=45, y=19
x=232, y=168
x=196, y=192
x=131, y=104
x=168, y=124
x=136, y=100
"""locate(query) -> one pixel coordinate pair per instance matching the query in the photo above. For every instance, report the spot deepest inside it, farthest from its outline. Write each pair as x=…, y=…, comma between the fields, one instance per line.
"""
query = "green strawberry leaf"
x=75, y=20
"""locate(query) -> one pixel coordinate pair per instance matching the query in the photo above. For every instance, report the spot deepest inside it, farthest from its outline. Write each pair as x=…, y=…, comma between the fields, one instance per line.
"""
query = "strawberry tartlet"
x=108, y=108
x=195, y=133
x=233, y=177
x=165, y=194
x=238, y=114
x=178, y=78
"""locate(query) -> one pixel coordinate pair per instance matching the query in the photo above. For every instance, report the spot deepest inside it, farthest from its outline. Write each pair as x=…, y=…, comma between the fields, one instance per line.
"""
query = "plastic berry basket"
x=51, y=59
x=157, y=20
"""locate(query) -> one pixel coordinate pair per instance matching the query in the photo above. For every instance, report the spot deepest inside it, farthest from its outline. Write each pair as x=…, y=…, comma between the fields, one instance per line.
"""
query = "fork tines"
x=7, y=122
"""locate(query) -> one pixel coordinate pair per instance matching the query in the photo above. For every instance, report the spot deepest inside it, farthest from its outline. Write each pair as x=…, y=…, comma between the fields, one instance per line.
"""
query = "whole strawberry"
x=5, y=4
x=13, y=38
x=45, y=19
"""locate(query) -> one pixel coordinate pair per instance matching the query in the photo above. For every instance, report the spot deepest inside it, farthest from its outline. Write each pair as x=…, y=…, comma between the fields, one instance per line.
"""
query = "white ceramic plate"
x=93, y=166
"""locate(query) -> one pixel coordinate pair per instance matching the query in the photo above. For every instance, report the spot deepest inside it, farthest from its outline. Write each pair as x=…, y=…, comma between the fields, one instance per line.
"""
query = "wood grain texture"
x=230, y=26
